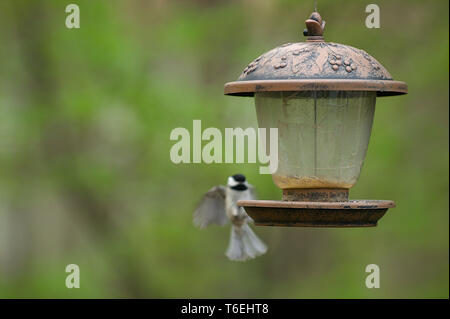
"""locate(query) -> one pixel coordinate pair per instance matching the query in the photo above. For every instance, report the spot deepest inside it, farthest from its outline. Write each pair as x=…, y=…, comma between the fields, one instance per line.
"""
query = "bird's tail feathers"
x=244, y=244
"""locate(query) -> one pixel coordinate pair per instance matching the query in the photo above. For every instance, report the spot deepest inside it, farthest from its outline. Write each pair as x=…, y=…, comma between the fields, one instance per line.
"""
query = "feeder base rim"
x=353, y=213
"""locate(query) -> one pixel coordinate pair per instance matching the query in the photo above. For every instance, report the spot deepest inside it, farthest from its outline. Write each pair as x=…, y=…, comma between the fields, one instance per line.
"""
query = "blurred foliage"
x=86, y=178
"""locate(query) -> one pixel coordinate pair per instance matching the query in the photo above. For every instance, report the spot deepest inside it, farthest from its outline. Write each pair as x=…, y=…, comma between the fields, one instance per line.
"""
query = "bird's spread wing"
x=211, y=209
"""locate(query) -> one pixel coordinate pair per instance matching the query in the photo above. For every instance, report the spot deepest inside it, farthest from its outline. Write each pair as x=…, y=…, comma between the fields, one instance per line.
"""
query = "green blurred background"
x=85, y=172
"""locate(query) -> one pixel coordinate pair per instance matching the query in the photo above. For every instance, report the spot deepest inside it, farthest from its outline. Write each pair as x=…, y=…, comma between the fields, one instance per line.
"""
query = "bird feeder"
x=321, y=96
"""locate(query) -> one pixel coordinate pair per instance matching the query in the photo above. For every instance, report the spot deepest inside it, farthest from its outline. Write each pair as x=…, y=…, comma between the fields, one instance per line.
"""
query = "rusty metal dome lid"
x=315, y=65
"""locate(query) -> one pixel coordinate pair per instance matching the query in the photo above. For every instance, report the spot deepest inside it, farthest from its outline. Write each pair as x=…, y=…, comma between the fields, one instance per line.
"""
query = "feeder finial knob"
x=314, y=25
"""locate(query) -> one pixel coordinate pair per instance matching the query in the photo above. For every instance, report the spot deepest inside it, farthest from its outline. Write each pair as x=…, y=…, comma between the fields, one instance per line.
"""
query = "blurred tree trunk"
x=57, y=141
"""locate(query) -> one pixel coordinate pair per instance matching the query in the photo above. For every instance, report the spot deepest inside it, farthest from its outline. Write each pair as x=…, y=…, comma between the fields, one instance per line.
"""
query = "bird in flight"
x=219, y=205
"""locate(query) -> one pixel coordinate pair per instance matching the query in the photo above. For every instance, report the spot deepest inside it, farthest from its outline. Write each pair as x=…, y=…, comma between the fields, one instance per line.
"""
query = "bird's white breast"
x=234, y=212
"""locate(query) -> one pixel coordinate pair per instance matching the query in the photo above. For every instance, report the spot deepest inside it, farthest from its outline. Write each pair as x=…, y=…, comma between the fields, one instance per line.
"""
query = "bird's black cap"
x=239, y=178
